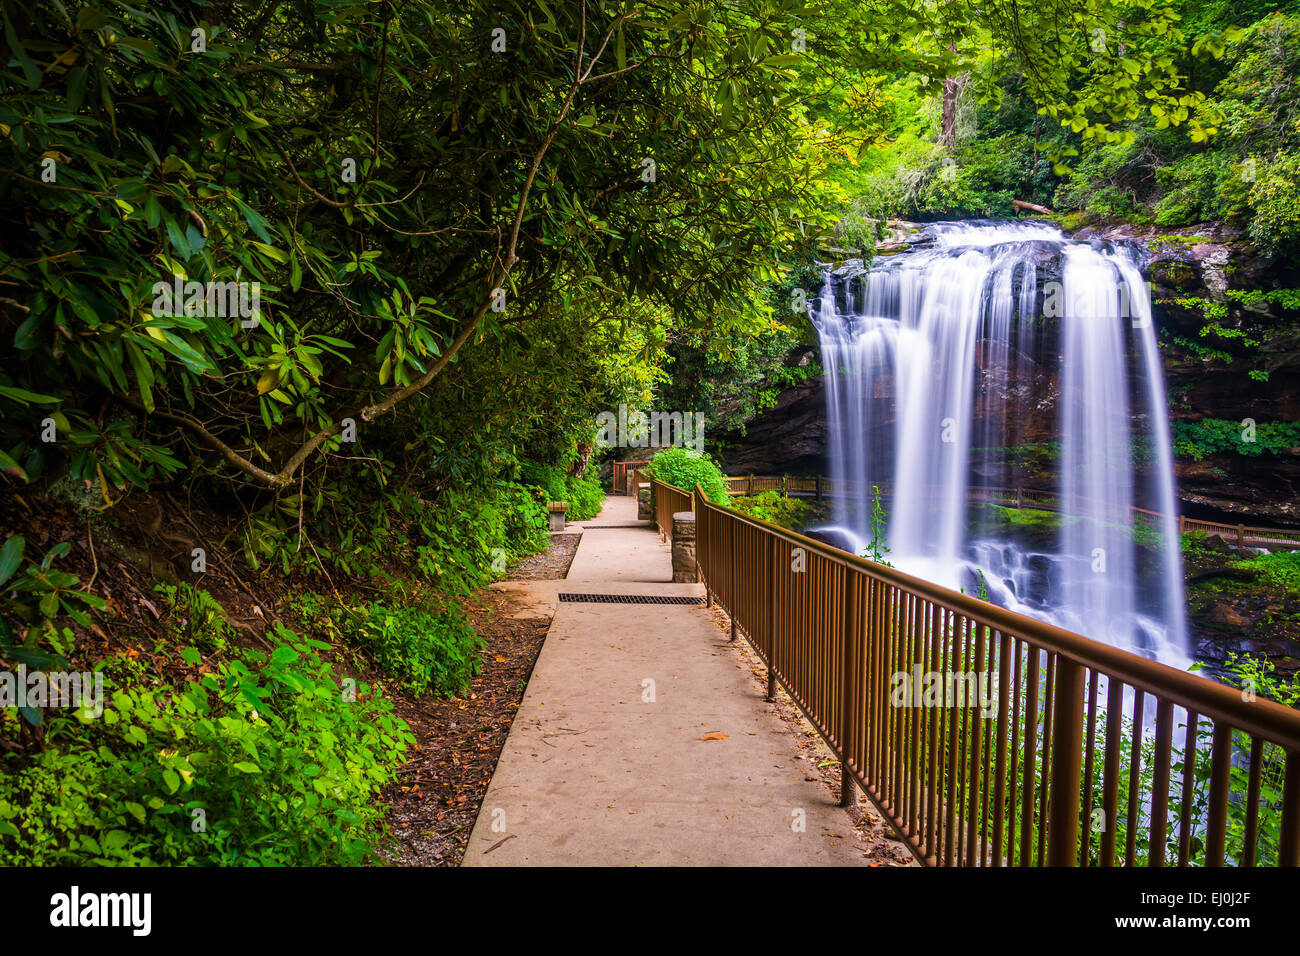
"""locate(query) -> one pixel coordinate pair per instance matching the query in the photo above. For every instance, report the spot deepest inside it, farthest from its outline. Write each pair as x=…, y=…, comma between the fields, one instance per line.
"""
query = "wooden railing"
x=1041, y=771
x=1242, y=534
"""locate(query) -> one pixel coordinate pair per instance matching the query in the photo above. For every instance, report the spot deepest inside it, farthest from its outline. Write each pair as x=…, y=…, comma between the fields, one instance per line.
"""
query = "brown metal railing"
x=622, y=469
x=1016, y=498
x=668, y=500
x=1075, y=754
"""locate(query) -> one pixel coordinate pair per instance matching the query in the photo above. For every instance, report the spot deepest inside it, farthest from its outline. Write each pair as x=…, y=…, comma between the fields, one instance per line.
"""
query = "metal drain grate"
x=627, y=599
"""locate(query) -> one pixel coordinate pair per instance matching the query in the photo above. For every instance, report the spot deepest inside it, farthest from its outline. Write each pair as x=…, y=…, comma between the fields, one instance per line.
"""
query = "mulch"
x=436, y=797
x=548, y=565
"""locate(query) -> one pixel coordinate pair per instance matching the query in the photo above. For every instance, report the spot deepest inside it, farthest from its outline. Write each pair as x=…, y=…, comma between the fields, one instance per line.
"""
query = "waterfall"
x=946, y=362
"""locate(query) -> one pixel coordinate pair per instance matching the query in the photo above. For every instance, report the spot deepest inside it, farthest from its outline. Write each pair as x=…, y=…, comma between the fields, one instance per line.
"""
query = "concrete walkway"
x=605, y=764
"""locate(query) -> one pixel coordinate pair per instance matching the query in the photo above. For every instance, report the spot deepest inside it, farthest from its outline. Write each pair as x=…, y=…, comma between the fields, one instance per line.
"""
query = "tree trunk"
x=952, y=90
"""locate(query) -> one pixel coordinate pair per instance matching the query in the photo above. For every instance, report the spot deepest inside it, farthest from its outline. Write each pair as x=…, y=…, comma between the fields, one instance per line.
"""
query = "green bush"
x=1209, y=436
x=424, y=649
x=685, y=468
x=522, y=516
x=584, y=496
x=1280, y=569
x=195, y=618
x=774, y=507
x=267, y=760
x=1192, y=189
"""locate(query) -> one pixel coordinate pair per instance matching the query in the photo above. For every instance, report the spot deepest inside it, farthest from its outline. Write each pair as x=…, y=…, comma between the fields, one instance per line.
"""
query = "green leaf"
x=26, y=397
x=11, y=555
x=284, y=655
x=245, y=767
x=30, y=70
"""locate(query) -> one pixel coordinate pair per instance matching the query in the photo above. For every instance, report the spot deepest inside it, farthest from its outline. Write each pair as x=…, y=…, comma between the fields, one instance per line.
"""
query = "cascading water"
x=982, y=339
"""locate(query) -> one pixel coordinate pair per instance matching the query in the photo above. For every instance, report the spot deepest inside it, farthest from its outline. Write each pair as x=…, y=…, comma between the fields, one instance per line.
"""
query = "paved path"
x=595, y=772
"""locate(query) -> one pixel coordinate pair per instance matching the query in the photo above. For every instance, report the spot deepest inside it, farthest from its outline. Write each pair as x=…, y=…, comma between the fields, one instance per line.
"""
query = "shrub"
x=585, y=496
x=1280, y=569
x=685, y=468
x=423, y=648
x=774, y=507
x=464, y=540
x=263, y=761
x=1210, y=436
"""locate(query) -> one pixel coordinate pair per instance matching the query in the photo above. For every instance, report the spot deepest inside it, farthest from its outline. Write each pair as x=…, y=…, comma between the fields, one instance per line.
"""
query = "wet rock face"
x=789, y=438
x=832, y=536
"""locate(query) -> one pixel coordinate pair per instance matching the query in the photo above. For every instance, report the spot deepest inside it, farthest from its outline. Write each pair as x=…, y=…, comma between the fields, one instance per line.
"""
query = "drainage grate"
x=645, y=525
x=627, y=599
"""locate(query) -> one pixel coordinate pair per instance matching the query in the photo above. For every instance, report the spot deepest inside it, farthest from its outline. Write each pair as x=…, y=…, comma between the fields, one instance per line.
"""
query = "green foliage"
x=685, y=468
x=1193, y=545
x=585, y=497
x=775, y=507
x=458, y=542
x=38, y=597
x=878, y=545
x=426, y=649
x=195, y=618
x=265, y=760
x=1280, y=569
x=1242, y=160
x=730, y=376
x=236, y=165
x=1211, y=436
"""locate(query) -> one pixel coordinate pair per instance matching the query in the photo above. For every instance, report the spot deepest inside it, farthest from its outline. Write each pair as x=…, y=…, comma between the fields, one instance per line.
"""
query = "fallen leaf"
x=715, y=736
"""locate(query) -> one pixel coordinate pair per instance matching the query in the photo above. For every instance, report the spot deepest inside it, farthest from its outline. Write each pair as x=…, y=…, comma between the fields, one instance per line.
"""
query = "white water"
x=935, y=360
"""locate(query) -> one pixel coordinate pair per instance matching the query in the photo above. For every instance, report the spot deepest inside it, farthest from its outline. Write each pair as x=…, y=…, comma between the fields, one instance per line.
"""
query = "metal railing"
x=1015, y=498
x=1069, y=757
x=668, y=500
x=622, y=469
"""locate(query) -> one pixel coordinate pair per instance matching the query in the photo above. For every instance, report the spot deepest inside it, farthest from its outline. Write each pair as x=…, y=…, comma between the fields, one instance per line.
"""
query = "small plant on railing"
x=878, y=546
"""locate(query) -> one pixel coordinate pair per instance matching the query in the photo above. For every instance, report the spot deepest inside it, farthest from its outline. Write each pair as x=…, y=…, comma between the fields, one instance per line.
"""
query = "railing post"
x=1182, y=524
x=1241, y=537
x=1288, y=843
x=685, y=568
x=1018, y=499
x=817, y=487
x=749, y=489
x=1067, y=765
x=771, y=620
x=848, y=692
